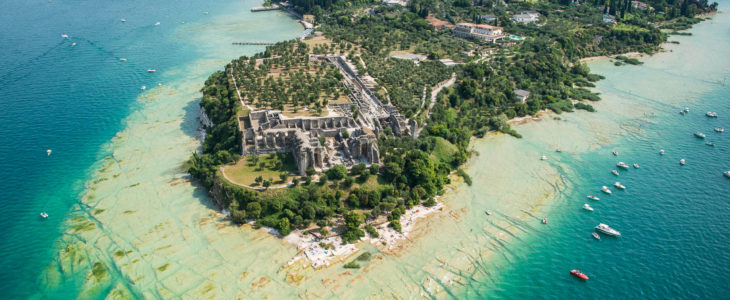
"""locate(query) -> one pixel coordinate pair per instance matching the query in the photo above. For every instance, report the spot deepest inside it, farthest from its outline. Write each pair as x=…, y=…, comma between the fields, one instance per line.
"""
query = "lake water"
x=125, y=219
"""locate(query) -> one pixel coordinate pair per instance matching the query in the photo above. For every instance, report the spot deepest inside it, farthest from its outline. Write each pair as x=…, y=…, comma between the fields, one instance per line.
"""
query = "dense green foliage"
x=546, y=64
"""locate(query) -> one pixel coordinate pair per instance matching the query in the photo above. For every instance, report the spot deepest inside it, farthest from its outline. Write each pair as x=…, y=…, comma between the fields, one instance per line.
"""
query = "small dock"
x=252, y=43
x=265, y=8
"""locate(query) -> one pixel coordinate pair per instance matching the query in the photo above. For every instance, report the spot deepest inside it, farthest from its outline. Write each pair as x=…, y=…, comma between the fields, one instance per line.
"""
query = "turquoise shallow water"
x=674, y=219
x=74, y=98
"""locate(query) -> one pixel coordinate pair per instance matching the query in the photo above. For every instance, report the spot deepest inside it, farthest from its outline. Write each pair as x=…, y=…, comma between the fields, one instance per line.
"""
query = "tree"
x=284, y=226
x=259, y=179
x=267, y=184
x=374, y=169
x=253, y=210
x=345, y=133
x=358, y=169
x=310, y=171
x=352, y=227
x=337, y=172
x=283, y=176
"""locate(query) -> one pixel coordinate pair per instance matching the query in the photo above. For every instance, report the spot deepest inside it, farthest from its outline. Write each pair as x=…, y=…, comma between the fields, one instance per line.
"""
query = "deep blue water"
x=71, y=99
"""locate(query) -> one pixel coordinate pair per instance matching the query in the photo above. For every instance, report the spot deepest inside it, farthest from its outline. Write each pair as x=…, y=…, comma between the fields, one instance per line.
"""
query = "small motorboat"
x=205, y=12
x=579, y=274
x=48, y=152
x=593, y=197
x=682, y=161
x=711, y=114
x=488, y=212
x=682, y=112
x=719, y=129
x=622, y=165
x=151, y=70
x=661, y=152
x=710, y=144
x=587, y=207
x=614, y=172
x=596, y=236
x=543, y=157
x=123, y=20
x=615, y=153
x=686, y=109
x=606, y=190
x=44, y=215
x=558, y=150
x=122, y=59
x=605, y=229
x=64, y=36
x=618, y=185
x=157, y=24
x=73, y=44
x=544, y=220
x=636, y=166
x=726, y=173
x=700, y=135
x=144, y=87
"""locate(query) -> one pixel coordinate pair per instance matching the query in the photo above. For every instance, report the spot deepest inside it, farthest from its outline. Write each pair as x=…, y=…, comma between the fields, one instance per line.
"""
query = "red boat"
x=579, y=274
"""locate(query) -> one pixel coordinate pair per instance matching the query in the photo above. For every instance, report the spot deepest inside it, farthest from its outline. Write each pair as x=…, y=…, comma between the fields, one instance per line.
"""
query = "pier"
x=265, y=8
x=252, y=43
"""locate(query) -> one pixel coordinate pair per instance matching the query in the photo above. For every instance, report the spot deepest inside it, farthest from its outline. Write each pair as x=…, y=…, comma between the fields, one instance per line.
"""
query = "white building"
x=522, y=95
x=489, y=18
x=487, y=33
x=526, y=17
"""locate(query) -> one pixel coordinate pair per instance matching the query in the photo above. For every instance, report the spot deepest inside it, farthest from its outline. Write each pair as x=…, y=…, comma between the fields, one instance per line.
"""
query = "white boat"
x=73, y=44
x=636, y=165
x=144, y=87
x=151, y=70
x=682, y=112
x=157, y=24
x=543, y=157
x=682, y=161
x=593, y=197
x=619, y=185
x=661, y=152
x=544, y=220
x=606, y=190
x=596, y=236
x=64, y=36
x=587, y=207
x=614, y=172
x=719, y=129
x=686, y=109
x=622, y=165
x=700, y=135
x=48, y=152
x=122, y=59
x=123, y=20
x=44, y=215
x=711, y=114
x=488, y=212
x=205, y=12
x=615, y=153
x=710, y=144
x=605, y=229
x=726, y=173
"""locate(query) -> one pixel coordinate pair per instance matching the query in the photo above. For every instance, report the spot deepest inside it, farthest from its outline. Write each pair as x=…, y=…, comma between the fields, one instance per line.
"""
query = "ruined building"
x=268, y=131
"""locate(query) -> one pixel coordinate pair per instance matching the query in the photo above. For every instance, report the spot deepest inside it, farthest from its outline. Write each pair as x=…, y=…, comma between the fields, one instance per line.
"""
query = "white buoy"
x=48, y=152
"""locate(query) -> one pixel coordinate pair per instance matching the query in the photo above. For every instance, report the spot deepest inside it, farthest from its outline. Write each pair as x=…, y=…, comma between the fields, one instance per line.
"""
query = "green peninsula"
x=370, y=115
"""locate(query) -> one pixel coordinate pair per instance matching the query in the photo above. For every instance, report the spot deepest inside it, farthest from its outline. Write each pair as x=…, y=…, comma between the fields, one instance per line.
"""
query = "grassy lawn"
x=245, y=171
x=444, y=150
